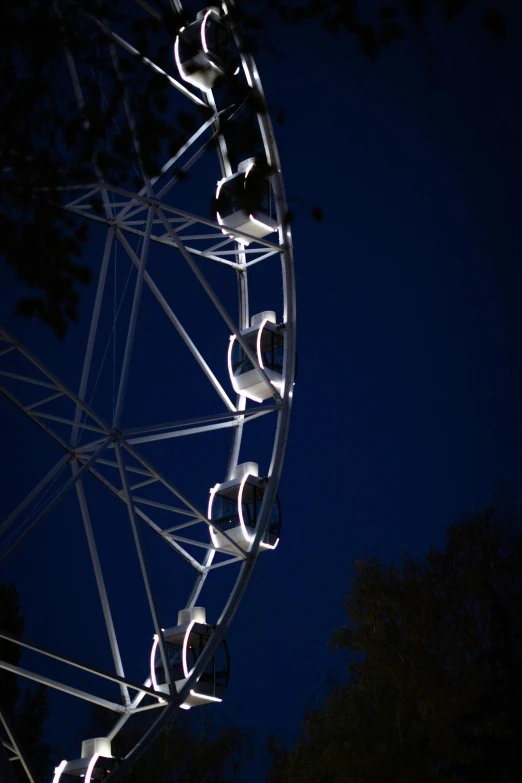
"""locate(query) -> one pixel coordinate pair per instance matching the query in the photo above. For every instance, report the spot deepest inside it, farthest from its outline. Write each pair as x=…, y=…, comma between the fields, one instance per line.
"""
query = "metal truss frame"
x=148, y=215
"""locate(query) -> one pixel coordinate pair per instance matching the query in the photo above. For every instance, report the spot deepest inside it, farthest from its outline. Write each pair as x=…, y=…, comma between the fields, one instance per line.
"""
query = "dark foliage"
x=434, y=657
x=54, y=135
x=27, y=713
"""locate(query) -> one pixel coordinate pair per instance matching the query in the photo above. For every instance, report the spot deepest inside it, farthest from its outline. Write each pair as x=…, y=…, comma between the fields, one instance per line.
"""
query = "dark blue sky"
x=407, y=406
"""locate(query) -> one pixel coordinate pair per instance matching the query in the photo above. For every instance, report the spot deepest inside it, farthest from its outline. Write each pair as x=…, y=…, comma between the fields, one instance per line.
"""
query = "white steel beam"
x=145, y=60
x=42, y=402
x=144, y=573
x=145, y=689
x=100, y=584
x=157, y=529
x=93, y=331
x=177, y=324
x=60, y=686
x=211, y=417
x=155, y=202
x=218, y=305
x=132, y=323
x=56, y=500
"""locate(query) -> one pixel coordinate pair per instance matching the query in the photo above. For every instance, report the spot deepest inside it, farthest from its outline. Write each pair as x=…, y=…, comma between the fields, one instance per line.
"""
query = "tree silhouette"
x=53, y=136
x=191, y=749
x=433, y=653
x=27, y=712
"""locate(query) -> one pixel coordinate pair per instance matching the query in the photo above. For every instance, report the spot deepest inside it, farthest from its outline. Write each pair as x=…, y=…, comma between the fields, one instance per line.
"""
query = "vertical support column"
x=100, y=583
x=137, y=542
x=133, y=320
x=92, y=333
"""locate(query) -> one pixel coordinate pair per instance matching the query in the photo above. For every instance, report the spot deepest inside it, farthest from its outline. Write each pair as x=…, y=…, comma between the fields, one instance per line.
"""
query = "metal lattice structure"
x=102, y=450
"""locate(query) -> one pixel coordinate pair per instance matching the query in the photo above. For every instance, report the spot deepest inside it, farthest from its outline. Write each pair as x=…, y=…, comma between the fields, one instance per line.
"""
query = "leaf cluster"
x=377, y=27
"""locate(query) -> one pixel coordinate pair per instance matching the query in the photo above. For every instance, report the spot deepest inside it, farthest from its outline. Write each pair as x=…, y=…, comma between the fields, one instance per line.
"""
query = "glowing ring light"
x=58, y=771
x=90, y=768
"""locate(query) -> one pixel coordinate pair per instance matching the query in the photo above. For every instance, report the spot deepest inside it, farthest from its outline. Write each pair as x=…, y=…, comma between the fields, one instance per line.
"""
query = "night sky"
x=407, y=403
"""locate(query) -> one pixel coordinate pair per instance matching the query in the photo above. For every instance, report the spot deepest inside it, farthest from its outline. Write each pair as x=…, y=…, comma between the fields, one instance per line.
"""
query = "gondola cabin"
x=95, y=764
x=183, y=645
x=243, y=201
x=265, y=338
x=234, y=508
x=204, y=50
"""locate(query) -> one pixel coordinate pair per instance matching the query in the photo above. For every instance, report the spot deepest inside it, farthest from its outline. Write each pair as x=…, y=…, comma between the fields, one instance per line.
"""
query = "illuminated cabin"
x=95, y=764
x=243, y=201
x=183, y=645
x=204, y=50
x=265, y=338
x=234, y=508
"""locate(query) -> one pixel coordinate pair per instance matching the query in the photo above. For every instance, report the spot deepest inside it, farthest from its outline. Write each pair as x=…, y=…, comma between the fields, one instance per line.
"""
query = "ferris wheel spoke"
x=35, y=381
x=183, y=525
x=201, y=429
x=143, y=567
x=93, y=330
x=163, y=480
x=192, y=542
x=62, y=420
x=168, y=165
x=144, y=483
x=260, y=250
x=144, y=689
x=100, y=584
x=7, y=350
x=132, y=323
x=179, y=328
x=186, y=426
x=148, y=521
x=219, y=307
x=52, y=382
x=122, y=720
x=42, y=402
x=61, y=686
x=167, y=507
x=167, y=208
x=228, y=561
x=198, y=518
x=128, y=468
x=145, y=60
x=44, y=513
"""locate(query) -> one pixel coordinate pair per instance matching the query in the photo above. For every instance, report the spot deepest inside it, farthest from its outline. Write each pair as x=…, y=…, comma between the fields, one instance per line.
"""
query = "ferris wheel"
x=209, y=299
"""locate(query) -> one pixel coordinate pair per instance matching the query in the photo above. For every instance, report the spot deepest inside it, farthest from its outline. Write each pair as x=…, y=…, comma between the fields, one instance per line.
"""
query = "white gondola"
x=183, y=645
x=243, y=201
x=265, y=338
x=202, y=50
x=95, y=764
x=234, y=508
